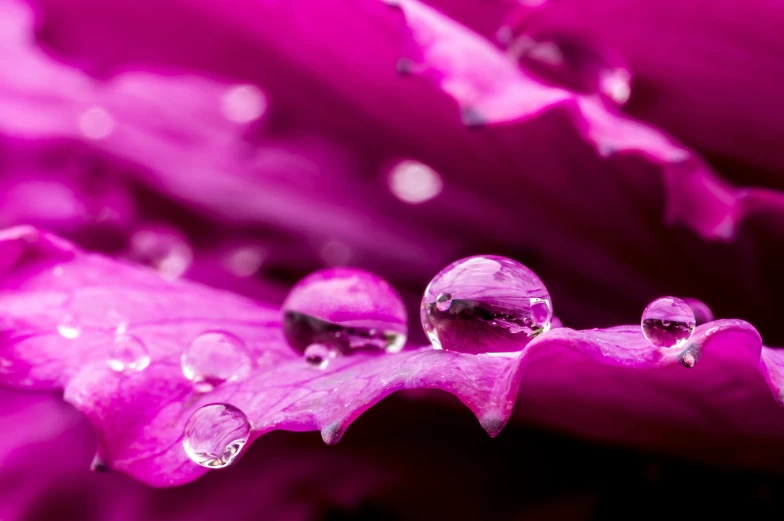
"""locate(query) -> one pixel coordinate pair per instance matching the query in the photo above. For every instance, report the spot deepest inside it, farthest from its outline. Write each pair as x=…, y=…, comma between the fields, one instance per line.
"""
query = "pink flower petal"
x=47, y=283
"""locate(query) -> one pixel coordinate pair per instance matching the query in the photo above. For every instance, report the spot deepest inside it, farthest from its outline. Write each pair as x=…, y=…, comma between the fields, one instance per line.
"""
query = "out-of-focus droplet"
x=215, y=434
x=702, y=313
x=668, y=322
x=335, y=253
x=414, y=182
x=346, y=310
x=244, y=261
x=573, y=65
x=95, y=123
x=485, y=304
x=128, y=353
x=243, y=103
x=68, y=328
x=319, y=355
x=213, y=358
x=163, y=248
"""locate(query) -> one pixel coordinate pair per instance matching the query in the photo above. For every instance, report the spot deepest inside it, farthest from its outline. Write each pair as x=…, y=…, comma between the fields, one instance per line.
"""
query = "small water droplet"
x=572, y=64
x=496, y=305
x=161, y=247
x=128, y=353
x=688, y=360
x=215, y=434
x=702, y=312
x=346, y=310
x=668, y=322
x=68, y=328
x=319, y=355
x=213, y=358
x=414, y=182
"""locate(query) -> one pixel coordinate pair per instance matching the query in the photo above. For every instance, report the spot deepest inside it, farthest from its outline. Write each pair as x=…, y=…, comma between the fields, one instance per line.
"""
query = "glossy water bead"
x=485, y=304
x=127, y=354
x=215, y=357
x=344, y=310
x=215, y=434
x=668, y=322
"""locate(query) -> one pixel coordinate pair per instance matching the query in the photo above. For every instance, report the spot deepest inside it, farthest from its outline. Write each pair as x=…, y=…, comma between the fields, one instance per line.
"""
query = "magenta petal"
x=139, y=416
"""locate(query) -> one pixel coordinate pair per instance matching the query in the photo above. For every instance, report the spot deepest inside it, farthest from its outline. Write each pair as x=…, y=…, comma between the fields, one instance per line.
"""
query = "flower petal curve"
x=139, y=416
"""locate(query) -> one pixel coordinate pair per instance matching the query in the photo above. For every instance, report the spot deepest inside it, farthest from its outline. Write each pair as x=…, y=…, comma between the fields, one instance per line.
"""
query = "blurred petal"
x=714, y=81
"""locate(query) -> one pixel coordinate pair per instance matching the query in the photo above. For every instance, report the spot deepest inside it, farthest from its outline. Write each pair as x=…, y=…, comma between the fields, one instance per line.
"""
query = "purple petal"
x=139, y=417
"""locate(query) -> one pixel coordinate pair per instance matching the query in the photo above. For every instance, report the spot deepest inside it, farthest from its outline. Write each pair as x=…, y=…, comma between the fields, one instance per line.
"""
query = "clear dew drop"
x=572, y=64
x=345, y=310
x=215, y=434
x=668, y=322
x=485, y=304
x=213, y=358
x=128, y=353
x=319, y=355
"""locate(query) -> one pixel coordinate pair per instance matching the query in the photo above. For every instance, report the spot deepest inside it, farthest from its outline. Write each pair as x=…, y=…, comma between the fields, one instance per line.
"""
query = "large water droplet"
x=215, y=357
x=345, y=309
x=485, y=304
x=128, y=353
x=573, y=64
x=163, y=248
x=668, y=322
x=215, y=434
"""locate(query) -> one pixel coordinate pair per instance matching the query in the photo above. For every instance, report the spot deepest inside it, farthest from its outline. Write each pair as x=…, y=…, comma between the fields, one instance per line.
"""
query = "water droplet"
x=573, y=64
x=215, y=434
x=702, y=313
x=345, y=309
x=95, y=123
x=319, y=355
x=215, y=357
x=243, y=103
x=68, y=328
x=414, y=182
x=668, y=322
x=335, y=253
x=496, y=305
x=128, y=353
x=244, y=261
x=161, y=247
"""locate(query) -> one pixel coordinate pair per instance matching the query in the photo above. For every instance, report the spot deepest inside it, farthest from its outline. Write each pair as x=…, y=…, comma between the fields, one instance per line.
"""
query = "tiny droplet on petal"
x=215, y=435
x=213, y=358
x=128, y=353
